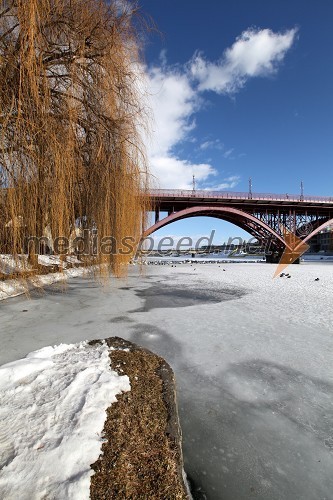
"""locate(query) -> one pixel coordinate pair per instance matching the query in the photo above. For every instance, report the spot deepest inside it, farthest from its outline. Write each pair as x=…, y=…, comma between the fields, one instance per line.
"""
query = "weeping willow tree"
x=71, y=118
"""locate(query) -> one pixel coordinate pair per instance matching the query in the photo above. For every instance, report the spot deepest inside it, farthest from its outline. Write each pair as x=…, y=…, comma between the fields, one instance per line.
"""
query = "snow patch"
x=52, y=416
x=12, y=288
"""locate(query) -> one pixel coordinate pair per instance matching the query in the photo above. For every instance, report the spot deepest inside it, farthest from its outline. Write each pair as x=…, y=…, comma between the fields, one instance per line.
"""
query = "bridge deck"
x=263, y=215
x=255, y=198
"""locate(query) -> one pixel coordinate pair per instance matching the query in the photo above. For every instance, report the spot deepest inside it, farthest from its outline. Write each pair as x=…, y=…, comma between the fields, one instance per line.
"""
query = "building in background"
x=322, y=242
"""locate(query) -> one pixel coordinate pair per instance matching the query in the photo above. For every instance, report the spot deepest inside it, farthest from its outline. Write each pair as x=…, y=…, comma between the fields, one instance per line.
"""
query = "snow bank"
x=12, y=288
x=52, y=415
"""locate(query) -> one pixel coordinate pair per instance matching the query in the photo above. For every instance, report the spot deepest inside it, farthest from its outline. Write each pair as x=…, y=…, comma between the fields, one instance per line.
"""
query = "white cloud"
x=173, y=101
x=212, y=145
x=255, y=53
x=175, y=96
x=228, y=153
x=174, y=173
x=227, y=183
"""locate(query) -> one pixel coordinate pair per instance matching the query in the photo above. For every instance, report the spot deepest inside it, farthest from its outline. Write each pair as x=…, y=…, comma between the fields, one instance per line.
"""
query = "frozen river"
x=253, y=358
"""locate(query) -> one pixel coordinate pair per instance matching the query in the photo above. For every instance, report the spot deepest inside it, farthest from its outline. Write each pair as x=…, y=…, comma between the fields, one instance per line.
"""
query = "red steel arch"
x=238, y=217
x=329, y=222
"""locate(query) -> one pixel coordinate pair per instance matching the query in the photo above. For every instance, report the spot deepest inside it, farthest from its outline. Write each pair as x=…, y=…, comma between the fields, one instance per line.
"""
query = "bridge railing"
x=231, y=195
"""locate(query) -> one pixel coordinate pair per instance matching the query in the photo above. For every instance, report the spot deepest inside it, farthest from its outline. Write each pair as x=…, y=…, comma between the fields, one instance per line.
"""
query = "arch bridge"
x=263, y=215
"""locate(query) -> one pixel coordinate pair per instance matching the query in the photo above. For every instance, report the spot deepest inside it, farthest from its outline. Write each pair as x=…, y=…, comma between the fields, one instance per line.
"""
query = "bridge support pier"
x=274, y=258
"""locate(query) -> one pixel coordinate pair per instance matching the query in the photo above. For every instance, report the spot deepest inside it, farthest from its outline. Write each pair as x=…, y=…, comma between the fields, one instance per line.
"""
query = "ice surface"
x=254, y=372
x=52, y=415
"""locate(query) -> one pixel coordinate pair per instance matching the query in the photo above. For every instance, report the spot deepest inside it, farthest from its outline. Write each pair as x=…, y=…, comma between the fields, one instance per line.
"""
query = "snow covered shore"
x=52, y=415
x=13, y=287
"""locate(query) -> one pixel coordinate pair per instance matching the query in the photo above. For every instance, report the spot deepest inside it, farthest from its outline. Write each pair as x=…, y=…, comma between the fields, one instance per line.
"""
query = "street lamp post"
x=302, y=192
x=250, y=188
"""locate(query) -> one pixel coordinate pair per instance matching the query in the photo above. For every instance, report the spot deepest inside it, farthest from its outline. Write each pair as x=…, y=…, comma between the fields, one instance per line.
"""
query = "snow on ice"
x=252, y=357
x=52, y=415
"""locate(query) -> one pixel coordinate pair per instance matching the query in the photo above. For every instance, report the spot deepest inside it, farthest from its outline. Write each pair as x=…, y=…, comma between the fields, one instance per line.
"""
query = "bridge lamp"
x=250, y=188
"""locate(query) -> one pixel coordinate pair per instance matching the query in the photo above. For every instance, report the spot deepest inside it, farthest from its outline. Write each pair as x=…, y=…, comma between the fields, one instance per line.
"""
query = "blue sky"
x=240, y=89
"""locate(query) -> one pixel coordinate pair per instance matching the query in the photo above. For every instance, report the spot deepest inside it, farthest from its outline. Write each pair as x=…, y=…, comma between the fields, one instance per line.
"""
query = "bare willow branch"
x=71, y=118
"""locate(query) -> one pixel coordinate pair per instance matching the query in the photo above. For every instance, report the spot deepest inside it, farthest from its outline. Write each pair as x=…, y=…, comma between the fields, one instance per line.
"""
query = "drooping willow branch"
x=71, y=118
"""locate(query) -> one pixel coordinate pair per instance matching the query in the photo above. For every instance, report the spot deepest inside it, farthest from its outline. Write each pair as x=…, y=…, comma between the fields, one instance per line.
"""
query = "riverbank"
x=90, y=420
x=142, y=455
